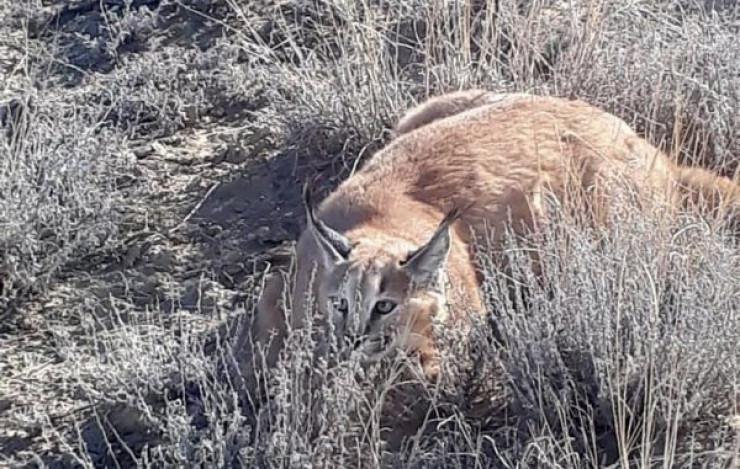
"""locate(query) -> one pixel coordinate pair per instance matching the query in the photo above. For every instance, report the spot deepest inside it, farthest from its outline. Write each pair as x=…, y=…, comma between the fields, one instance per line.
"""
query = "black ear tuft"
x=335, y=246
x=426, y=263
x=308, y=201
x=450, y=217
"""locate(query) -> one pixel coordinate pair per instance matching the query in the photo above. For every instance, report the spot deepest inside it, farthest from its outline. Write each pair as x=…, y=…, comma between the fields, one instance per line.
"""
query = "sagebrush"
x=150, y=162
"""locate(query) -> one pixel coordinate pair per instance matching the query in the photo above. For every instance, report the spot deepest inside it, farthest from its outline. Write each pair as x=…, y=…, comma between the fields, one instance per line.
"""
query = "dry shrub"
x=625, y=354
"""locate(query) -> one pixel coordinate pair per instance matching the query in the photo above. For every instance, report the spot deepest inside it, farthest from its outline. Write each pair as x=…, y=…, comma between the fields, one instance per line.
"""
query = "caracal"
x=389, y=253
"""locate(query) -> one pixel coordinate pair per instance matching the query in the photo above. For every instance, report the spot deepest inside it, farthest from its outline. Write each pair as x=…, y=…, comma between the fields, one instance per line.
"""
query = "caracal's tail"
x=717, y=194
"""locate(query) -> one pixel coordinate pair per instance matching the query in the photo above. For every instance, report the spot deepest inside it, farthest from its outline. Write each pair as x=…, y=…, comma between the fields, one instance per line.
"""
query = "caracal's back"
x=498, y=155
x=387, y=255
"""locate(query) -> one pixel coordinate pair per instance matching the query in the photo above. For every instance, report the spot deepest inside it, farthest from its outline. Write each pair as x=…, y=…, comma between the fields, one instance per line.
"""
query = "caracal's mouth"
x=372, y=349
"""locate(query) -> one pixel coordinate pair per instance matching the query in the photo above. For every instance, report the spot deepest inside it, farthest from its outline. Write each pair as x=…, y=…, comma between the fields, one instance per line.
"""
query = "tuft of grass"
x=59, y=170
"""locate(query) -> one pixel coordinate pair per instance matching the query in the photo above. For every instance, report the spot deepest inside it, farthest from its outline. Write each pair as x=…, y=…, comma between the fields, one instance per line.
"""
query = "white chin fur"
x=373, y=351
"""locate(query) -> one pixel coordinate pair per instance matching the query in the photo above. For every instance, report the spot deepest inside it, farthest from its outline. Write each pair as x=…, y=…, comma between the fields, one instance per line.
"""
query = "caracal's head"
x=381, y=292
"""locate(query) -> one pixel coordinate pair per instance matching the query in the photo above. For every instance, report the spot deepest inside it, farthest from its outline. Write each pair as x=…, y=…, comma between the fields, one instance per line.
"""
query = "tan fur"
x=710, y=192
x=439, y=107
x=501, y=153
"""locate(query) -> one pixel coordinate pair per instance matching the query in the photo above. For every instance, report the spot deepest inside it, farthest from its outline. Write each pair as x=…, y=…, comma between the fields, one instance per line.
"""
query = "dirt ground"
x=209, y=203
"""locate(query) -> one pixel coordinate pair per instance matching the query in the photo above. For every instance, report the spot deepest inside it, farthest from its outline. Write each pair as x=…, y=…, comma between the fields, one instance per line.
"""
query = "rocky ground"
x=200, y=199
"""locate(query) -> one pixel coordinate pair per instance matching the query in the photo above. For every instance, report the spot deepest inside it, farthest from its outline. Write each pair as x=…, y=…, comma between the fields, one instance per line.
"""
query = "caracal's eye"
x=340, y=304
x=384, y=307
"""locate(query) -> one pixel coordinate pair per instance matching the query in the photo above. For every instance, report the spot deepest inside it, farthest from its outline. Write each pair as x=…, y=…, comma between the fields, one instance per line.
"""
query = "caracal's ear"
x=426, y=263
x=333, y=246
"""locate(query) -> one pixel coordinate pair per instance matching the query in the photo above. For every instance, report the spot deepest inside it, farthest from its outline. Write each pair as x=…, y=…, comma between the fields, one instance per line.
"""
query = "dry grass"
x=150, y=160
